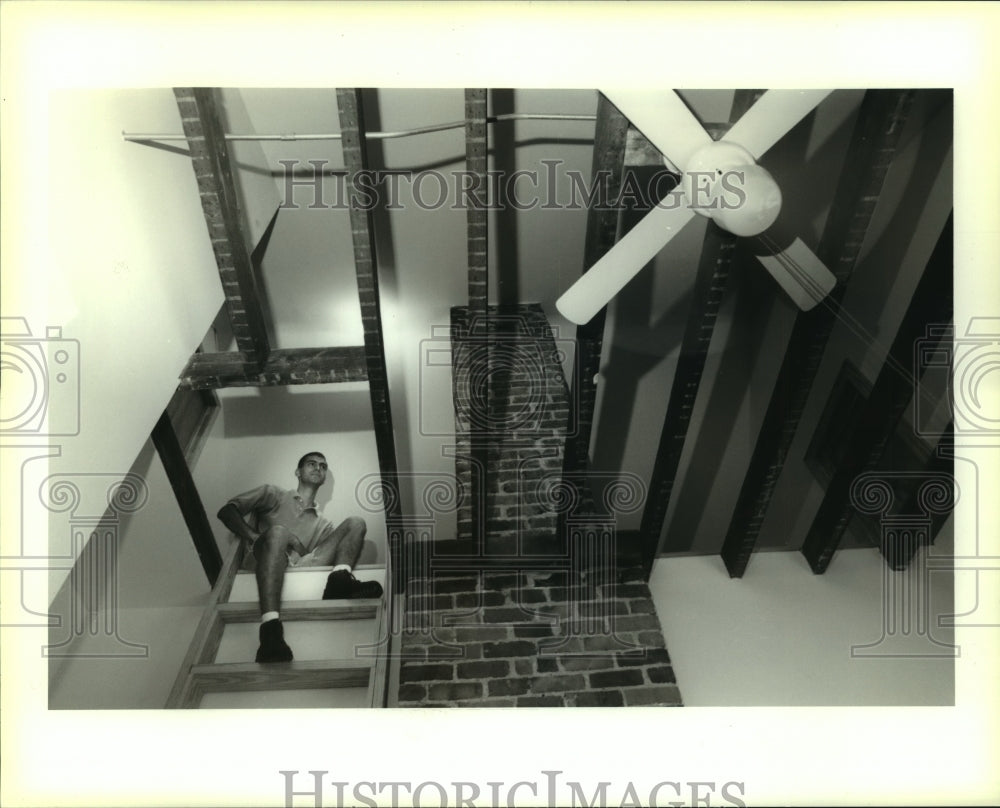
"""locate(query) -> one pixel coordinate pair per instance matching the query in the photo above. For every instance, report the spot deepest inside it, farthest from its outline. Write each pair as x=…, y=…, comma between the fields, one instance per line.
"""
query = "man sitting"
x=288, y=531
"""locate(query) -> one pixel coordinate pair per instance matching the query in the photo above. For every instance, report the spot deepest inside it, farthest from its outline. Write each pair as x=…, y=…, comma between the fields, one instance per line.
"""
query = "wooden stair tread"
x=305, y=674
x=356, y=609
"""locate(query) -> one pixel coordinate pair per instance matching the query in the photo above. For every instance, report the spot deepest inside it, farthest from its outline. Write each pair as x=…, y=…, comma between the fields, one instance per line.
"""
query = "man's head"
x=312, y=469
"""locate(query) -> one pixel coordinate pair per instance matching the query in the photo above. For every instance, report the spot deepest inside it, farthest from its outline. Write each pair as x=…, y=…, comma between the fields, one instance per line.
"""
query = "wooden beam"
x=203, y=128
x=352, y=126
x=890, y=395
x=602, y=230
x=251, y=676
x=873, y=144
x=709, y=288
x=470, y=349
x=207, y=371
x=303, y=610
x=639, y=152
x=179, y=475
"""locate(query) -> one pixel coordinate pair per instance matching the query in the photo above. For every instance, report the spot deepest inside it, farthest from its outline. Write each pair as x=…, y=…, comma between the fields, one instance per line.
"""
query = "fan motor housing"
x=723, y=182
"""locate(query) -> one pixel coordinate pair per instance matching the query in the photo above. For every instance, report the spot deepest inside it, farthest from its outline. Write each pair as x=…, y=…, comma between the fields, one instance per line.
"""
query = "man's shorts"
x=249, y=563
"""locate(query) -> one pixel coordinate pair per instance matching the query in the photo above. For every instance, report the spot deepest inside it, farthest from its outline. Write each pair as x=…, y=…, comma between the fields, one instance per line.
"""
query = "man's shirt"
x=271, y=506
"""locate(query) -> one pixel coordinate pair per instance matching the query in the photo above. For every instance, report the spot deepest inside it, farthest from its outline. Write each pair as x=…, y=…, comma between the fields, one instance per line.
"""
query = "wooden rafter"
x=602, y=229
x=206, y=371
x=890, y=395
x=709, y=288
x=172, y=456
x=203, y=128
x=476, y=223
x=873, y=144
x=363, y=238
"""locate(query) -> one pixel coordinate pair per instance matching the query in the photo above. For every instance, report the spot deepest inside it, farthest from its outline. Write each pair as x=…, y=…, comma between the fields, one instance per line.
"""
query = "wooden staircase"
x=341, y=647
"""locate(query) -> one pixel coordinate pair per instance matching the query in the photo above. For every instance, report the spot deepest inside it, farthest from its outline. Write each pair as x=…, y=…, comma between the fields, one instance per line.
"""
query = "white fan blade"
x=622, y=262
x=772, y=117
x=800, y=273
x=665, y=120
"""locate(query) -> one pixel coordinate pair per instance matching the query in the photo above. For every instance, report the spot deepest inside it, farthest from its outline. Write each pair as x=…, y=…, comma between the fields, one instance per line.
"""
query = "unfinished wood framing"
x=206, y=371
x=363, y=239
x=890, y=395
x=203, y=128
x=873, y=145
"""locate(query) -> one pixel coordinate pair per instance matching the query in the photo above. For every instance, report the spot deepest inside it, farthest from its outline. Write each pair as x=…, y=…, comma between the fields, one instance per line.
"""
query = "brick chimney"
x=544, y=614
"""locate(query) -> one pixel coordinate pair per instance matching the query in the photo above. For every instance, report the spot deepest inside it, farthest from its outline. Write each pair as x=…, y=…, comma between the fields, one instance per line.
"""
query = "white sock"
x=268, y=616
x=340, y=567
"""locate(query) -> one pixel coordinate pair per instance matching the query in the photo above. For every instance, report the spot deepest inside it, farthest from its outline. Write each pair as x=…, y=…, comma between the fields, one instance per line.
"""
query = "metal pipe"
x=421, y=130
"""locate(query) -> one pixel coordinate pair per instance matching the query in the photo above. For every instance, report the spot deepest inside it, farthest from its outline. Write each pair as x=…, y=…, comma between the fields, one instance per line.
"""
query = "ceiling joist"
x=203, y=128
x=890, y=395
x=366, y=270
x=476, y=225
x=209, y=371
x=873, y=145
x=602, y=228
x=709, y=288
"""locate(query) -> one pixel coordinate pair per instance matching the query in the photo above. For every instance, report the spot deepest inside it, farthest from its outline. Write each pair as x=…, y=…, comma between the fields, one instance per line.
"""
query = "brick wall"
x=533, y=639
x=564, y=625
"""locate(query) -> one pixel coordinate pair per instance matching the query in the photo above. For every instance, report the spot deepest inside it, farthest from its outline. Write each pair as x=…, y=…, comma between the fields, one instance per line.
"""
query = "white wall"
x=264, y=431
x=782, y=636
x=156, y=600
x=107, y=241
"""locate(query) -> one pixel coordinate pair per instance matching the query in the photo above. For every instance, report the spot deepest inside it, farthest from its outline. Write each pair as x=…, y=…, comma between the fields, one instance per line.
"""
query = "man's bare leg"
x=344, y=545
x=271, y=552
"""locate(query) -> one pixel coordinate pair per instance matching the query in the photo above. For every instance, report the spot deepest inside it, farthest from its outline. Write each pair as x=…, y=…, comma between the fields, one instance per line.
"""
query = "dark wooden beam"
x=873, y=144
x=602, y=228
x=471, y=349
x=207, y=371
x=352, y=126
x=203, y=128
x=940, y=463
x=890, y=395
x=639, y=152
x=709, y=288
x=179, y=475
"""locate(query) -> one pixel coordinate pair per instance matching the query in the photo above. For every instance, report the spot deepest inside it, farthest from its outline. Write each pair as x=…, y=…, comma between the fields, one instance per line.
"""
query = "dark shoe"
x=341, y=584
x=272, y=643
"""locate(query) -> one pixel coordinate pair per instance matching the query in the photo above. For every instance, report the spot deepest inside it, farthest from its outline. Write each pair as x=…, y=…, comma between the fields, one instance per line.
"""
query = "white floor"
x=784, y=636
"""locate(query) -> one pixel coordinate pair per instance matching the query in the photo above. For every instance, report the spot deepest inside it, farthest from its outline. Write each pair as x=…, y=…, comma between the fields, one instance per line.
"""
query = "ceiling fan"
x=720, y=180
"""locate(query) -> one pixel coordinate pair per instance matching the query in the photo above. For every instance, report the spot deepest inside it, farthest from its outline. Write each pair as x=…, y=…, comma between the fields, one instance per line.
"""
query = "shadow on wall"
x=333, y=411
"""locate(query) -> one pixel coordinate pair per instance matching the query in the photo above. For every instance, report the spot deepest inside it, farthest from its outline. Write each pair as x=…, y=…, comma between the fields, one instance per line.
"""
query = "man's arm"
x=231, y=517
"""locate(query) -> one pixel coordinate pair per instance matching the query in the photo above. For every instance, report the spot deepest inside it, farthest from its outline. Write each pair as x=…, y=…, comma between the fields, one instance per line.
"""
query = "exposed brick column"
x=509, y=358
